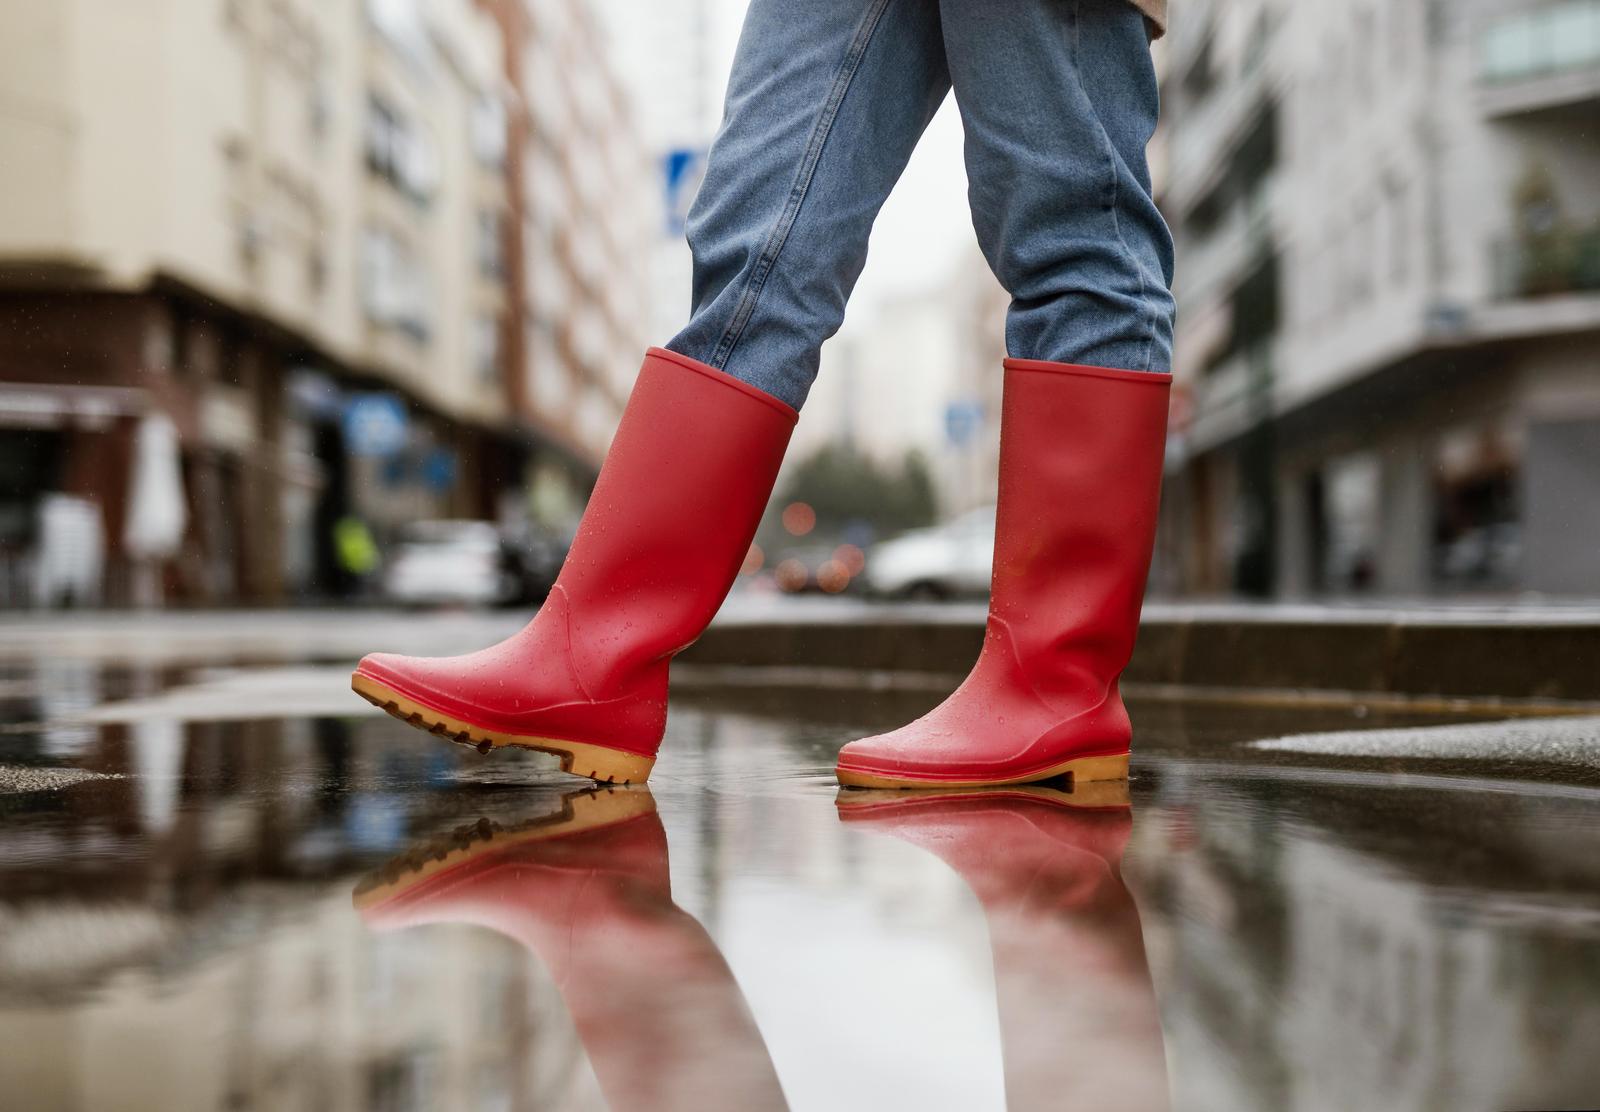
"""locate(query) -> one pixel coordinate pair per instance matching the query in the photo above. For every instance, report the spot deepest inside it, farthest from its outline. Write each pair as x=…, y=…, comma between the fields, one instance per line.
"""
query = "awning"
x=53, y=406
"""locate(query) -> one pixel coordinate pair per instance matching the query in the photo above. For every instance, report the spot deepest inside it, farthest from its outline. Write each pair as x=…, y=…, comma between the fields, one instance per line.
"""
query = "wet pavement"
x=228, y=884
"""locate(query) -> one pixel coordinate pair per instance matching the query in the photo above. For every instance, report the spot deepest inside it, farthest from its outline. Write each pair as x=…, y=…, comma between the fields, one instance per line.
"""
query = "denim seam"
x=797, y=195
x=1111, y=161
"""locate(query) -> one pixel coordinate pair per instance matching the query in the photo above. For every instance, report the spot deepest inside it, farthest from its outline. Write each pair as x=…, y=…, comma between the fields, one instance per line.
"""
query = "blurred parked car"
x=829, y=568
x=1485, y=554
x=460, y=562
x=534, y=556
x=943, y=561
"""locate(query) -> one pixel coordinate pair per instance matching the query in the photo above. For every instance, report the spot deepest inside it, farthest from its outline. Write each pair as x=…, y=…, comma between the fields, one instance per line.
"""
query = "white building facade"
x=1388, y=227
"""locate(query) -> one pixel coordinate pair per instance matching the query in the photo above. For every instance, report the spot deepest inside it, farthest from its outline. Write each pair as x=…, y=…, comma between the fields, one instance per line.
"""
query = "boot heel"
x=1092, y=769
x=608, y=766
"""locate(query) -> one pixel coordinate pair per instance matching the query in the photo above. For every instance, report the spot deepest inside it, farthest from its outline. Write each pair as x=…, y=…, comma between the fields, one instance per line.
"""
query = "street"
x=231, y=882
x=1224, y=379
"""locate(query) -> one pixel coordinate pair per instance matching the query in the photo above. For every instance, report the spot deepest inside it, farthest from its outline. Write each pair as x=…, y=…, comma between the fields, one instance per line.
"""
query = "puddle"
x=307, y=910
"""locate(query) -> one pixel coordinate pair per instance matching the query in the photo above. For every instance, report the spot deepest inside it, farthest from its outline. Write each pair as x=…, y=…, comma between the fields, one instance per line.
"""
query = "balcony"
x=1235, y=395
x=1547, y=266
x=1539, y=61
x=1223, y=144
x=1243, y=238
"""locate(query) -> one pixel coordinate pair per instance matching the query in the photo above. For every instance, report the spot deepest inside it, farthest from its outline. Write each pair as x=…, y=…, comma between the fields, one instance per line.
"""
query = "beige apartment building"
x=589, y=220
x=296, y=231
x=1387, y=217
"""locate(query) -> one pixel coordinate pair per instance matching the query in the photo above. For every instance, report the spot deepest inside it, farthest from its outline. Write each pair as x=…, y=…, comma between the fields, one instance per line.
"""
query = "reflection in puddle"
x=1078, y=1021
x=1318, y=936
x=586, y=890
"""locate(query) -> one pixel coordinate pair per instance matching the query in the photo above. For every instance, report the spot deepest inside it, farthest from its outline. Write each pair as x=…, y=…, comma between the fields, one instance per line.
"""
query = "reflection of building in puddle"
x=1333, y=946
x=66, y=688
x=313, y=1013
x=211, y=955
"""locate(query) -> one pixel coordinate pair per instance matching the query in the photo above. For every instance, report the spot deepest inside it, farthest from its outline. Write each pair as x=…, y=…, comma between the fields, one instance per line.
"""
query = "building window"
x=1400, y=17
x=488, y=128
x=1477, y=526
x=491, y=244
x=395, y=288
x=1347, y=534
x=1365, y=261
x=319, y=109
x=316, y=271
x=1201, y=77
x=399, y=152
x=1399, y=197
x=253, y=238
x=401, y=24
x=485, y=339
x=549, y=374
x=1364, y=57
x=1543, y=40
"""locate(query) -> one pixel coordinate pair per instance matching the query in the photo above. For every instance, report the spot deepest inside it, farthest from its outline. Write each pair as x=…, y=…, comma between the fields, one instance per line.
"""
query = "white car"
x=439, y=562
x=943, y=561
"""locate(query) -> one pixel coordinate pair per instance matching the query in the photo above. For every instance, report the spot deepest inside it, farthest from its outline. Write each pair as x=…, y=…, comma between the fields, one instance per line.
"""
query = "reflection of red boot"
x=659, y=1013
x=670, y=521
x=1078, y=1021
x=1080, y=475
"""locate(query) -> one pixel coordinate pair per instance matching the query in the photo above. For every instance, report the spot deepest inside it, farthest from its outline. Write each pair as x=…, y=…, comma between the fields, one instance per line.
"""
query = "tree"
x=849, y=490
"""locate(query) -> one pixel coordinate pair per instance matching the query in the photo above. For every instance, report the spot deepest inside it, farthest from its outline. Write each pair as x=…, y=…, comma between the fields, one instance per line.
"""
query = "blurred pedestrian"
x=357, y=553
x=826, y=102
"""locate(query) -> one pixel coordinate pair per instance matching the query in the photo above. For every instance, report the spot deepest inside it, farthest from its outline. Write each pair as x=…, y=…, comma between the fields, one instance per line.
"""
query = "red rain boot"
x=1080, y=477
x=1079, y=1024
x=670, y=521
x=661, y=1018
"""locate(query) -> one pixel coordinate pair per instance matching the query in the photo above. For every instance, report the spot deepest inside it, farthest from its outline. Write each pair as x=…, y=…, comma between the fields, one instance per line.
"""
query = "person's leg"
x=826, y=102
x=1058, y=100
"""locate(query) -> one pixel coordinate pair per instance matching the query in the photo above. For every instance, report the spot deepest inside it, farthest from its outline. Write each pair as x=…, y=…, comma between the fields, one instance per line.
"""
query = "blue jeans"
x=827, y=100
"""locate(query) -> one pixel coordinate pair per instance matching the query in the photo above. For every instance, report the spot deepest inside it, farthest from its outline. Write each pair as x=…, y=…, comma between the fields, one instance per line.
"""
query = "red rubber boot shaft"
x=672, y=515
x=1081, y=453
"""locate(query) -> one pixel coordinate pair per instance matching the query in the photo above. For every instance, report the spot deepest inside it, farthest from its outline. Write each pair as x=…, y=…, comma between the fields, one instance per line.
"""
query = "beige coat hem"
x=1157, y=11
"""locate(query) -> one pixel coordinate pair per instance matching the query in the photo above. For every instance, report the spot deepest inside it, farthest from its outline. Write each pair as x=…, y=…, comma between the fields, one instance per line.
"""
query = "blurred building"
x=361, y=265
x=674, y=56
x=921, y=373
x=588, y=210
x=1275, y=931
x=1387, y=217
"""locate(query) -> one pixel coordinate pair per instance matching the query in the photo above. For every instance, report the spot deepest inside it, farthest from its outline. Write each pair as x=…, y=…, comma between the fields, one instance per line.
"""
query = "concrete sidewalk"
x=1537, y=653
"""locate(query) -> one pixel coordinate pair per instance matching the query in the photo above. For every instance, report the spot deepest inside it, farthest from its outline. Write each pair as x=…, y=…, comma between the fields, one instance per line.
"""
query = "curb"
x=1455, y=658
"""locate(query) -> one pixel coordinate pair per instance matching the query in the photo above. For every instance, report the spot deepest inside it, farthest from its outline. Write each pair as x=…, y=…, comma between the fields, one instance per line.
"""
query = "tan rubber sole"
x=608, y=766
x=1078, y=770
x=1096, y=795
x=579, y=813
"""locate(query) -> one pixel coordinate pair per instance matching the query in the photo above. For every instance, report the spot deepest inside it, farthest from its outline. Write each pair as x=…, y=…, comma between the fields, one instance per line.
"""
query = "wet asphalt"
x=228, y=883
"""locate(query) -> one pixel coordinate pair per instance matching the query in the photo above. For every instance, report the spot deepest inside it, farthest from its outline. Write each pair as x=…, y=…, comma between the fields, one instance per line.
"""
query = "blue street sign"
x=439, y=469
x=375, y=424
x=681, y=171
x=962, y=419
